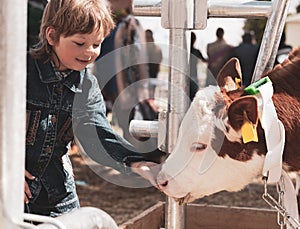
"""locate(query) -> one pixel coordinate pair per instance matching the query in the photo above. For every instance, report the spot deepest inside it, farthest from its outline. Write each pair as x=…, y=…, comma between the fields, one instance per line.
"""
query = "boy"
x=64, y=101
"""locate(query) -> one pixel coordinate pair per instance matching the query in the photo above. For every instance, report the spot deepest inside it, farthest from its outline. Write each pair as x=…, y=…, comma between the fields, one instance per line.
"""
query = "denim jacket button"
x=53, y=119
x=48, y=150
x=58, y=89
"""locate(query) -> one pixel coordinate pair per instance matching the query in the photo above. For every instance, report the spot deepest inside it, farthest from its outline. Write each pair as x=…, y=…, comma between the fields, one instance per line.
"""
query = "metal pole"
x=176, y=12
x=271, y=38
x=143, y=128
x=147, y=8
x=178, y=105
x=219, y=9
x=82, y=218
x=12, y=109
x=253, y=9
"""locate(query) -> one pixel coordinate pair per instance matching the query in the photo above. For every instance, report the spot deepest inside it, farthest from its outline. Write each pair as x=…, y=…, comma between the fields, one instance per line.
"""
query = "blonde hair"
x=69, y=17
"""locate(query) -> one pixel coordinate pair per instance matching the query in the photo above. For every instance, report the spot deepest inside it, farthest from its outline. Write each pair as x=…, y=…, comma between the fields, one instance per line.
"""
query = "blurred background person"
x=154, y=54
x=154, y=59
x=131, y=70
x=247, y=53
x=122, y=67
x=218, y=52
x=35, y=9
x=195, y=56
x=105, y=65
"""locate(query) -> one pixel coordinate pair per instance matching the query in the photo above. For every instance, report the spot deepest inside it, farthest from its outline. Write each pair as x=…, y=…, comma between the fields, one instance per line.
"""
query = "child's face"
x=76, y=51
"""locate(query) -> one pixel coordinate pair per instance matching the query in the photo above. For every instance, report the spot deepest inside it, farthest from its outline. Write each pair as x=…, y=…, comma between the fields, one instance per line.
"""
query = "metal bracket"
x=151, y=129
x=184, y=14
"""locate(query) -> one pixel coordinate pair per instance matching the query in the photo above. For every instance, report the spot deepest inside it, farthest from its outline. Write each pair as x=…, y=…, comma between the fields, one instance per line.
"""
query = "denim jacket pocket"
x=32, y=124
x=65, y=134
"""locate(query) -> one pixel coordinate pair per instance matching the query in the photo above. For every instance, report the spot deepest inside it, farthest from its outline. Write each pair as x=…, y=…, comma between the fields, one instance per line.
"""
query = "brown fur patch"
x=286, y=82
x=238, y=151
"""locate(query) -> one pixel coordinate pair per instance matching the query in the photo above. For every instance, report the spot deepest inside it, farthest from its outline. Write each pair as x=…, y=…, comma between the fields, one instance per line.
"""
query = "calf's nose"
x=162, y=181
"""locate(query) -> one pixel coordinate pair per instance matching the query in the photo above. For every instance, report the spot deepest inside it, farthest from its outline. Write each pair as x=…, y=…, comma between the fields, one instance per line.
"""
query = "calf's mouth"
x=184, y=200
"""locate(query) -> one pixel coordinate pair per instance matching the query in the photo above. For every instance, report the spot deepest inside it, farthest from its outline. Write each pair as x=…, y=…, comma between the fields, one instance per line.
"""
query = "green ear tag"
x=253, y=89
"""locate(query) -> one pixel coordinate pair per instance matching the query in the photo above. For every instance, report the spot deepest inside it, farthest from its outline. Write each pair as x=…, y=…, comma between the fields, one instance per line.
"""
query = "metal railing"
x=215, y=9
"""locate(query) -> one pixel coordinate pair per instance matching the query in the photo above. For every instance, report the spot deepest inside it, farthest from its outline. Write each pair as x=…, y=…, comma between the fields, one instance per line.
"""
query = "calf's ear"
x=230, y=75
x=242, y=110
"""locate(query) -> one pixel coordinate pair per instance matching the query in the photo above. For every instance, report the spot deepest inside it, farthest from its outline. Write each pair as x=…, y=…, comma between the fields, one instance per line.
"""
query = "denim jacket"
x=57, y=110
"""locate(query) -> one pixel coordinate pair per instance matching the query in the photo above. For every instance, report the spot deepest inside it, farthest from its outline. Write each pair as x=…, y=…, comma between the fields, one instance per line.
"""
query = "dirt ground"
x=125, y=203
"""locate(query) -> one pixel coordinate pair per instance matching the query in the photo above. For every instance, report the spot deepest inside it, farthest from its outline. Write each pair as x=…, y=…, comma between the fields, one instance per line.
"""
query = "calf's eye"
x=198, y=147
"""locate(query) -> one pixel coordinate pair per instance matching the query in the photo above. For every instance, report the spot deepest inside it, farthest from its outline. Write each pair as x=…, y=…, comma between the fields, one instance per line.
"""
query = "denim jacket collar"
x=47, y=75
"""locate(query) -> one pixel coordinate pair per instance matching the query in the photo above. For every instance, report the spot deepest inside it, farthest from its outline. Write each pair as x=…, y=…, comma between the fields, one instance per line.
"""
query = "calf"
x=210, y=155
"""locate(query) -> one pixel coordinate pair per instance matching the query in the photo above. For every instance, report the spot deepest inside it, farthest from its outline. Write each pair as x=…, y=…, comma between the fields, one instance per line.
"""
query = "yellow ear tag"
x=237, y=82
x=249, y=132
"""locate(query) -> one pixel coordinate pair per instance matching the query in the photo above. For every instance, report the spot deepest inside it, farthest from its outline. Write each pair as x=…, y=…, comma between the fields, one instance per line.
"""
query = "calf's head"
x=210, y=154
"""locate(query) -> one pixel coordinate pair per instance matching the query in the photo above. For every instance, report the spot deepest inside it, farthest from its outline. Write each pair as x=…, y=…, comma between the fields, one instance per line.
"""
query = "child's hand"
x=27, y=194
x=148, y=170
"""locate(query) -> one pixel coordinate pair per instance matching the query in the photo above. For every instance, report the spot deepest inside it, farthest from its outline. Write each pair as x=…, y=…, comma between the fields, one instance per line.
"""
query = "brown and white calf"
x=210, y=155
